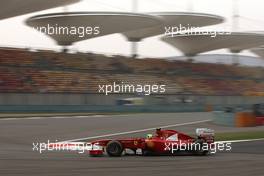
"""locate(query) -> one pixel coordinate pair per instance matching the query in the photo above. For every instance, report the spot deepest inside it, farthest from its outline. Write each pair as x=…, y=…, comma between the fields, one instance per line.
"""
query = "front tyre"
x=114, y=148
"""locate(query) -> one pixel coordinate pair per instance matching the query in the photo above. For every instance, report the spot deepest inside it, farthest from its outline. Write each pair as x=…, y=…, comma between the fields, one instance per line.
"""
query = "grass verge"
x=239, y=135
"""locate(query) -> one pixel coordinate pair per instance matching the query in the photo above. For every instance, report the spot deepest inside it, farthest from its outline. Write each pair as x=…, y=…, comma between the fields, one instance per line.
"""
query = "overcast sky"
x=14, y=33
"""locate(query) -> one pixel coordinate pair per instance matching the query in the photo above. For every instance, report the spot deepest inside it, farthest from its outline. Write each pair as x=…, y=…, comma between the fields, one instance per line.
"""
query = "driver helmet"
x=149, y=136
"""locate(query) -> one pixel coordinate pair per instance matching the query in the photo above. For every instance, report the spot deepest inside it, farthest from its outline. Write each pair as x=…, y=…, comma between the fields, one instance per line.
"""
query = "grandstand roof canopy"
x=12, y=8
x=258, y=51
x=174, y=19
x=109, y=23
x=191, y=45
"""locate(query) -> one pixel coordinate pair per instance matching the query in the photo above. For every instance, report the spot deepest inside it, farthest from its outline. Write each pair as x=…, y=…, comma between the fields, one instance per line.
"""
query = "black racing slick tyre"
x=200, y=151
x=114, y=148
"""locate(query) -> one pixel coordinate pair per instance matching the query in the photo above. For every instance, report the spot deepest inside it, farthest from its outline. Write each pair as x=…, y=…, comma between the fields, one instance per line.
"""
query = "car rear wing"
x=206, y=134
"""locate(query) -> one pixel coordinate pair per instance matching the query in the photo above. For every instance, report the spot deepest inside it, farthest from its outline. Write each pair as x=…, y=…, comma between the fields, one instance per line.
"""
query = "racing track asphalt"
x=17, y=157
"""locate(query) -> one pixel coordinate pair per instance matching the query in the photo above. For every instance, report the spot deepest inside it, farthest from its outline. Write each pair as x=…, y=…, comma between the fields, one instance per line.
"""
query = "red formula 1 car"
x=164, y=142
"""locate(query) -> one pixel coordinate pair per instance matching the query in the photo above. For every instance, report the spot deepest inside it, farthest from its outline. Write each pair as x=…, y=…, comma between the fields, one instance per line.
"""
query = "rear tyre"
x=200, y=150
x=114, y=149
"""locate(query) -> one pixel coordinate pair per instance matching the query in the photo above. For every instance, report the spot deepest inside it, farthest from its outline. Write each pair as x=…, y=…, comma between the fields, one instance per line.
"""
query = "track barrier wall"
x=238, y=119
x=245, y=119
x=83, y=108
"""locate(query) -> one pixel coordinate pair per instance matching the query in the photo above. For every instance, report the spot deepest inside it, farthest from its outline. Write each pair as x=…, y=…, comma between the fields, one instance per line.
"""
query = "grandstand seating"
x=51, y=72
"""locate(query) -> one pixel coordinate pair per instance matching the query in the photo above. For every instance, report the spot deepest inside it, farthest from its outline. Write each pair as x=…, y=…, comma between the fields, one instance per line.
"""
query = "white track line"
x=62, y=117
x=138, y=131
x=51, y=117
x=244, y=140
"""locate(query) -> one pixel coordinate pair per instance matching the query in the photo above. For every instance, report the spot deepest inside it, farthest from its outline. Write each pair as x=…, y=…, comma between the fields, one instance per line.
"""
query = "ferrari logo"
x=135, y=142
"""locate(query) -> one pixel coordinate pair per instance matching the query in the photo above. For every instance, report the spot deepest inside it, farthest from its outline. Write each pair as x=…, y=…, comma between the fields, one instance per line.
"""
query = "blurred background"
x=39, y=75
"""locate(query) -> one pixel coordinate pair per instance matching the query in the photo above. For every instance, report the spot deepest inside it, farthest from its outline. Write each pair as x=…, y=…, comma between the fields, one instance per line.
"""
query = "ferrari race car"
x=163, y=142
